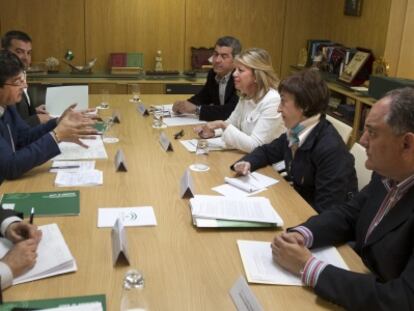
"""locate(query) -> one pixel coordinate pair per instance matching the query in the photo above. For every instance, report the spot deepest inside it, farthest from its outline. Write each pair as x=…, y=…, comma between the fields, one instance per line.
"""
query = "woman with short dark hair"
x=318, y=164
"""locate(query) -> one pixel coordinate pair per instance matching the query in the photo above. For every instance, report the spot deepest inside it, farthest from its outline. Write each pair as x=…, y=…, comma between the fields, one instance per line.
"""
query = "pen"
x=179, y=134
x=64, y=167
x=31, y=216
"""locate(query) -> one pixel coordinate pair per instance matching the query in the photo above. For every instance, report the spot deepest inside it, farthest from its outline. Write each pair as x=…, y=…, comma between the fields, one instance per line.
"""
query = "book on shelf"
x=219, y=211
x=53, y=203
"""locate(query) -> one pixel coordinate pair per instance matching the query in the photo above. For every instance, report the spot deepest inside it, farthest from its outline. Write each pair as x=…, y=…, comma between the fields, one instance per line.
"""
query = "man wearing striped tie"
x=380, y=219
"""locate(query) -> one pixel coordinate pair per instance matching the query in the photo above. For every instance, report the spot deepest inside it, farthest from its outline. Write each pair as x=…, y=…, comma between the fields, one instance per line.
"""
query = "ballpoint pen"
x=64, y=167
x=31, y=216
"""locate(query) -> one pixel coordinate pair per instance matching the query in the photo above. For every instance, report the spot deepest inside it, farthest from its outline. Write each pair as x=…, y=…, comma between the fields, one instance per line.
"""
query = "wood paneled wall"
x=369, y=30
x=54, y=25
x=256, y=23
x=400, y=41
x=93, y=28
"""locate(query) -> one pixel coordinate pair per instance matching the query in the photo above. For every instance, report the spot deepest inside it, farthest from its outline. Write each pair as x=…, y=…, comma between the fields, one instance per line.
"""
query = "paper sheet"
x=53, y=255
x=80, y=178
x=172, y=119
x=72, y=151
x=59, y=98
x=245, y=185
x=90, y=306
x=130, y=216
x=260, y=267
x=214, y=144
x=70, y=166
x=257, y=209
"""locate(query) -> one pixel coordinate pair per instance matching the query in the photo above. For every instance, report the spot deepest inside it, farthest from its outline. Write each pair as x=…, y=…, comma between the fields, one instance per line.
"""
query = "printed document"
x=214, y=144
x=260, y=267
x=72, y=151
x=58, y=98
x=72, y=166
x=80, y=178
x=53, y=255
x=89, y=306
x=253, y=209
x=173, y=119
x=250, y=184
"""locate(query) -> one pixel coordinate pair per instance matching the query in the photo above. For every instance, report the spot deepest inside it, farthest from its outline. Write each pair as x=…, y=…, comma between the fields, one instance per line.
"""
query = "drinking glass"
x=158, y=119
x=109, y=135
x=136, y=93
x=201, y=153
x=104, y=99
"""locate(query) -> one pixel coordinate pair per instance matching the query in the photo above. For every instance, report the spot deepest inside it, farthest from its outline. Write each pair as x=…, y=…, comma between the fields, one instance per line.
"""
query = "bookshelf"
x=360, y=103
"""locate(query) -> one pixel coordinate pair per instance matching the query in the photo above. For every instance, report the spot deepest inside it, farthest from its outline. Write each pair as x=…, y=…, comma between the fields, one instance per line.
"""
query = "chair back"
x=343, y=129
x=363, y=174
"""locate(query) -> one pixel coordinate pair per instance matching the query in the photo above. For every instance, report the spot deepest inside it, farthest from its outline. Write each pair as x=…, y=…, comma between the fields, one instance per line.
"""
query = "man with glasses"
x=218, y=98
x=20, y=44
x=22, y=147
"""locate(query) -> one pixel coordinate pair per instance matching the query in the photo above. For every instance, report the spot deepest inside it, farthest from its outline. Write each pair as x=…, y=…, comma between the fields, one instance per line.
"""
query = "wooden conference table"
x=184, y=268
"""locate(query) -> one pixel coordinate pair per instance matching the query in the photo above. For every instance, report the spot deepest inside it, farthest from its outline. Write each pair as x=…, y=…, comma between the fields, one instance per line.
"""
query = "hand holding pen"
x=19, y=231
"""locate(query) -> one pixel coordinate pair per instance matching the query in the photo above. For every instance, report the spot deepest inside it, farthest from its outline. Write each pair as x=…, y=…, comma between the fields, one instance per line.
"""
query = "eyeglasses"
x=20, y=81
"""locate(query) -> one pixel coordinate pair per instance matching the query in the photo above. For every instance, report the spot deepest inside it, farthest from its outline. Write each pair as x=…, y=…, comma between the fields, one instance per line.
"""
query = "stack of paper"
x=214, y=144
x=218, y=211
x=245, y=185
x=78, y=179
x=53, y=255
x=173, y=119
x=260, y=267
x=72, y=151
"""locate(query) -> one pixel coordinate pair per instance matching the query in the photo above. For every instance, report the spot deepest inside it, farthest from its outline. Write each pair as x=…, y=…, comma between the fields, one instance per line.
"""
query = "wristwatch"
x=197, y=112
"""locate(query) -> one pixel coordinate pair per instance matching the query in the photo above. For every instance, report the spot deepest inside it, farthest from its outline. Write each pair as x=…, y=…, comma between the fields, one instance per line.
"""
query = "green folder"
x=100, y=127
x=45, y=203
x=53, y=303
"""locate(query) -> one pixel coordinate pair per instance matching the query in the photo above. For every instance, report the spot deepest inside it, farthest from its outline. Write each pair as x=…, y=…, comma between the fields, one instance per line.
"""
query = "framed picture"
x=353, y=7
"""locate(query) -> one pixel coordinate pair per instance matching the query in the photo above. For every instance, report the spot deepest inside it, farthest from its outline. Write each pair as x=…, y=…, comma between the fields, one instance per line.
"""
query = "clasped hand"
x=207, y=130
x=289, y=251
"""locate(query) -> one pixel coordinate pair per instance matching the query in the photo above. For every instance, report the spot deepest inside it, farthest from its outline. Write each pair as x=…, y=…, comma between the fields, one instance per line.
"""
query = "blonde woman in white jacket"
x=255, y=120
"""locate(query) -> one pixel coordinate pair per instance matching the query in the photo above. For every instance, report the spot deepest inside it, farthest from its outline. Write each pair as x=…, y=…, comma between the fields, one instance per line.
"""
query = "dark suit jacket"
x=388, y=253
x=27, y=112
x=322, y=171
x=34, y=146
x=8, y=213
x=208, y=99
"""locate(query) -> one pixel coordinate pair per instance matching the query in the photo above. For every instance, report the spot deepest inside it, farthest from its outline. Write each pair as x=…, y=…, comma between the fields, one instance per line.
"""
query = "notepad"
x=72, y=151
x=250, y=209
x=45, y=203
x=260, y=267
x=245, y=185
x=53, y=256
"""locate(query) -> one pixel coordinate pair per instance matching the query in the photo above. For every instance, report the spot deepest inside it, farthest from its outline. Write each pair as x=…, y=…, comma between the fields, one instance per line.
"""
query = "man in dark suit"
x=218, y=98
x=22, y=147
x=380, y=219
x=20, y=44
x=22, y=256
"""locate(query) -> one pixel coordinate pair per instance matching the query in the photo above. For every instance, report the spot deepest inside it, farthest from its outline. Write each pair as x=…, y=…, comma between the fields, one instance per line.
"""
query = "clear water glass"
x=136, y=93
x=201, y=156
x=133, y=293
x=104, y=104
x=158, y=119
